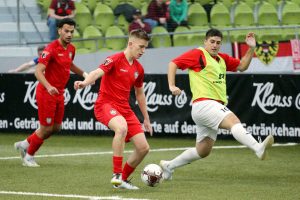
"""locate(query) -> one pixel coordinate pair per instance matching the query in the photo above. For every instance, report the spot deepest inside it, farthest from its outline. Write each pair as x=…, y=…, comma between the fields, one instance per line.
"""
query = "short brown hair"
x=214, y=32
x=139, y=33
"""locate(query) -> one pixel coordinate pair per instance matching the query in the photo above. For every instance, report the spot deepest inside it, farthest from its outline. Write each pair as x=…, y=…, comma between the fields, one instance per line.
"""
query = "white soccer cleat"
x=167, y=172
x=126, y=185
x=29, y=162
x=22, y=150
x=267, y=143
x=116, y=179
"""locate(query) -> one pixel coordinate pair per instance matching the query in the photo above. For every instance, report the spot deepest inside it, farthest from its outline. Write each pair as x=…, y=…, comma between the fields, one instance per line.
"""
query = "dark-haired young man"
x=52, y=72
x=207, y=73
x=120, y=72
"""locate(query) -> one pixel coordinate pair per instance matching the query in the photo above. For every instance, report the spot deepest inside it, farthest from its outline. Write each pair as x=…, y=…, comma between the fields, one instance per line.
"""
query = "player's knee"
x=145, y=149
x=121, y=131
x=203, y=152
x=56, y=129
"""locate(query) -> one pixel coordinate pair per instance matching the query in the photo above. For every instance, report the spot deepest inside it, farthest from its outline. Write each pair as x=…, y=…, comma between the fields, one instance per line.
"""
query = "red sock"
x=127, y=170
x=35, y=143
x=117, y=164
x=29, y=138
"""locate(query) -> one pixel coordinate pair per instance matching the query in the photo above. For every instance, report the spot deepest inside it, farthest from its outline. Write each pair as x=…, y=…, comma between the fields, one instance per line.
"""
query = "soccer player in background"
x=120, y=72
x=207, y=73
x=52, y=72
x=28, y=66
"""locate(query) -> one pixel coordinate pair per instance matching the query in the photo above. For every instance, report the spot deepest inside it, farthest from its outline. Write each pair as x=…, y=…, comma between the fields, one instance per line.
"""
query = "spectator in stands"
x=178, y=10
x=58, y=10
x=138, y=23
x=157, y=13
x=28, y=66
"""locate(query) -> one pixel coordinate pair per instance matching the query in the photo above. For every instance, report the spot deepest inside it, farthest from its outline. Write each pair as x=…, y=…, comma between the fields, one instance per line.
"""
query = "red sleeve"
x=140, y=79
x=132, y=26
x=53, y=4
x=231, y=63
x=107, y=65
x=45, y=57
x=147, y=27
x=152, y=11
x=71, y=5
x=189, y=59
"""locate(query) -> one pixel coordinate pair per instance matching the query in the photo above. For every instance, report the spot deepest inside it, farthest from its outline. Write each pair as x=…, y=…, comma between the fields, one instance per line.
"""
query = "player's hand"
x=52, y=90
x=250, y=40
x=175, y=90
x=79, y=85
x=148, y=127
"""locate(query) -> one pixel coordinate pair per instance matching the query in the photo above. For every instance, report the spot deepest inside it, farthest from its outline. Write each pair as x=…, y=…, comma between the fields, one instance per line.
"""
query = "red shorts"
x=105, y=111
x=50, y=108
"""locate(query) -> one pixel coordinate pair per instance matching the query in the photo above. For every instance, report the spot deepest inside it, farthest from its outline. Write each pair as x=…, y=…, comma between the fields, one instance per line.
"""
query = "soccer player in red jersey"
x=52, y=72
x=207, y=69
x=120, y=72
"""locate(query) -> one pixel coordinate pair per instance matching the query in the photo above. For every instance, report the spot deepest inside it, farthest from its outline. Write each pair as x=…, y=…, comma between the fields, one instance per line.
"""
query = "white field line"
x=73, y=196
x=130, y=151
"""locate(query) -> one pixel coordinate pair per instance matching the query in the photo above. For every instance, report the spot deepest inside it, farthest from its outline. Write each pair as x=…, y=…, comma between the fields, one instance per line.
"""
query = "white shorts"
x=207, y=115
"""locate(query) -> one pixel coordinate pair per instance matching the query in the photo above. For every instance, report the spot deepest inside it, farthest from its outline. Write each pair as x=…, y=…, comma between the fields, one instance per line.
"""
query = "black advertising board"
x=264, y=103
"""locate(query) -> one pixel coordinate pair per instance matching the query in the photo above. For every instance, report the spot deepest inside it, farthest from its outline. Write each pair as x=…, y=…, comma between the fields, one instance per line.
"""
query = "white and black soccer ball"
x=152, y=175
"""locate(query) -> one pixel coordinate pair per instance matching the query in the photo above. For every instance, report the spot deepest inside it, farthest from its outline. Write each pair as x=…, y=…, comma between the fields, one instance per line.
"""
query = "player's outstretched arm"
x=89, y=79
x=23, y=67
x=171, y=79
x=246, y=59
x=141, y=99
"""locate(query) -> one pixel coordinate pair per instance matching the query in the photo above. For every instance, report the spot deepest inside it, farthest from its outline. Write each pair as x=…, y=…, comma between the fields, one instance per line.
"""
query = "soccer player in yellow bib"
x=207, y=73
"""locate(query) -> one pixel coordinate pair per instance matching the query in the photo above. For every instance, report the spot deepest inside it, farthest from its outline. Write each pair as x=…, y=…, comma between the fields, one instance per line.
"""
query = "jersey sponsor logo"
x=48, y=120
x=266, y=51
x=113, y=112
x=136, y=74
x=107, y=61
x=123, y=70
x=45, y=54
x=60, y=54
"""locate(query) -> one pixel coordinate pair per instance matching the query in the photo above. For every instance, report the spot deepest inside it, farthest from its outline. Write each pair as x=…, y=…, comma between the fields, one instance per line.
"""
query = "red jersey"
x=58, y=61
x=195, y=60
x=62, y=8
x=119, y=78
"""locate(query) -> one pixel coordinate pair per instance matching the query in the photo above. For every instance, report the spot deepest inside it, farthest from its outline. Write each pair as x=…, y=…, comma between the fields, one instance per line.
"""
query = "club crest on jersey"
x=107, y=61
x=136, y=74
x=113, y=112
x=48, y=120
x=44, y=54
x=266, y=51
x=70, y=55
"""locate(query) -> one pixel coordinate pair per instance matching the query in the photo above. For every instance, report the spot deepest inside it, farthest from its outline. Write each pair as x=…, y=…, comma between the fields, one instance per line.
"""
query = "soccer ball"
x=152, y=175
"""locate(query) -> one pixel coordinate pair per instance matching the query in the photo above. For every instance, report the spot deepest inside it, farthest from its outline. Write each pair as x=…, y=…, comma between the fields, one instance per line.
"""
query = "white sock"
x=243, y=137
x=25, y=144
x=28, y=157
x=184, y=158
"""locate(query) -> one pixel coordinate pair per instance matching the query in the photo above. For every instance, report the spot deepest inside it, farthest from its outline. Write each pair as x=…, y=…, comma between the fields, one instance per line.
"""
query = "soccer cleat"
x=268, y=142
x=167, y=172
x=29, y=162
x=116, y=179
x=18, y=147
x=126, y=185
